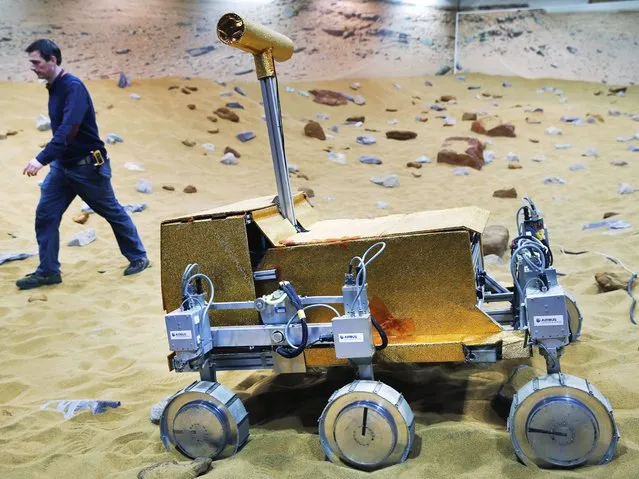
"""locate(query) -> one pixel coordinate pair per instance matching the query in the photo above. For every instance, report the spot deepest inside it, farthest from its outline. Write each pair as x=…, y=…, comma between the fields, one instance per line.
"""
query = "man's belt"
x=95, y=159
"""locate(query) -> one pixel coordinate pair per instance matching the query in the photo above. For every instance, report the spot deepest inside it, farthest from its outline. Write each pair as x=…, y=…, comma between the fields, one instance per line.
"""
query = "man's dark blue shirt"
x=75, y=131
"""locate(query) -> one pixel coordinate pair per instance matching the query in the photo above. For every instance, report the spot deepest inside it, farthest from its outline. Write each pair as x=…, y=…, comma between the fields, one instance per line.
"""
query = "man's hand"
x=32, y=168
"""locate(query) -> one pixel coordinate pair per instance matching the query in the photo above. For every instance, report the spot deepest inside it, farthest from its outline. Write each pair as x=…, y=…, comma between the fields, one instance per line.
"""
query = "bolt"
x=277, y=336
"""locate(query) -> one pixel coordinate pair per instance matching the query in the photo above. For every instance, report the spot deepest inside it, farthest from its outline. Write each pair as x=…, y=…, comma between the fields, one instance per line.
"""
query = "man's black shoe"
x=35, y=280
x=136, y=266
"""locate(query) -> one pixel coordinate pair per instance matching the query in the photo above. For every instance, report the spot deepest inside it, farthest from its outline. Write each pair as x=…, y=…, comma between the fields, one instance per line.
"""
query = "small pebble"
x=370, y=160
x=423, y=159
x=489, y=156
x=625, y=189
x=366, y=140
x=577, y=167
x=337, y=157
x=389, y=181
x=590, y=152
x=229, y=159
x=461, y=171
x=554, y=180
x=245, y=136
x=143, y=186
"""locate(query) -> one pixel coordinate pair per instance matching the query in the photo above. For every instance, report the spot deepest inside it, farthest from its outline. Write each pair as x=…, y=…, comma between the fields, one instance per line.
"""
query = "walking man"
x=79, y=165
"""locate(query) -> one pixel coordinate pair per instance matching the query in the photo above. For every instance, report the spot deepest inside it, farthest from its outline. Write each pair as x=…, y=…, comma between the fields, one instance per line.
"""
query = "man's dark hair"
x=47, y=49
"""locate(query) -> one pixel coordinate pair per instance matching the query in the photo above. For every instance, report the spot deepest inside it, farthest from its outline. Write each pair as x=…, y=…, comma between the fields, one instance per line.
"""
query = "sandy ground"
x=536, y=44
x=100, y=335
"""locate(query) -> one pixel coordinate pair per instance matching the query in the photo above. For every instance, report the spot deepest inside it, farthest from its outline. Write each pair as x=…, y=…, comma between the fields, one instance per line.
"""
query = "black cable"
x=382, y=335
x=290, y=353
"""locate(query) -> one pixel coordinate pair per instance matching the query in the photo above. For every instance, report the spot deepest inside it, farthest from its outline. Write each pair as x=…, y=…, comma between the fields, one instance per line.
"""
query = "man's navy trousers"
x=93, y=185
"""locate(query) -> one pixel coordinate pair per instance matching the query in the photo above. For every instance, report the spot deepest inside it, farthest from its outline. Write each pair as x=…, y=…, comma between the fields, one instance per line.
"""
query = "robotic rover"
x=286, y=292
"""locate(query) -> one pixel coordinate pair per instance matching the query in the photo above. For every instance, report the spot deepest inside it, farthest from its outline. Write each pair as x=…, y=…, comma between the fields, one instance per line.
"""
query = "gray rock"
x=240, y=90
x=355, y=86
x=6, y=257
x=552, y=131
x=366, y=140
x=243, y=72
x=635, y=117
x=337, y=157
x=538, y=158
x=210, y=147
x=511, y=157
x=83, y=238
x=506, y=84
x=234, y=104
x=177, y=470
x=135, y=96
x=124, y=80
x=135, y=208
x=494, y=240
x=157, y=409
x=624, y=139
x=614, y=113
x=633, y=148
x=590, y=152
x=577, y=167
x=450, y=121
x=143, y=186
x=461, y=78
x=572, y=50
x=423, y=159
x=443, y=70
x=293, y=168
x=370, y=160
x=489, y=156
x=245, y=136
x=112, y=139
x=382, y=205
x=290, y=89
x=43, y=123
x=461, y=171
x=303, y=93
x=229, y=159
x=554, y=180
x=625, y=189
x=334, y=128
x=225, y=93
x=359, y=100
x=437, y=107
x=122, y=51
x=322, y=116
x=563, y=146
x=133, y=166
x=388, y=181
x=196, y=52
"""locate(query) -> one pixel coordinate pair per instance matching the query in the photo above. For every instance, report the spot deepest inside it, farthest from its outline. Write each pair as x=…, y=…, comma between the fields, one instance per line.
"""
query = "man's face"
x=42, y=68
